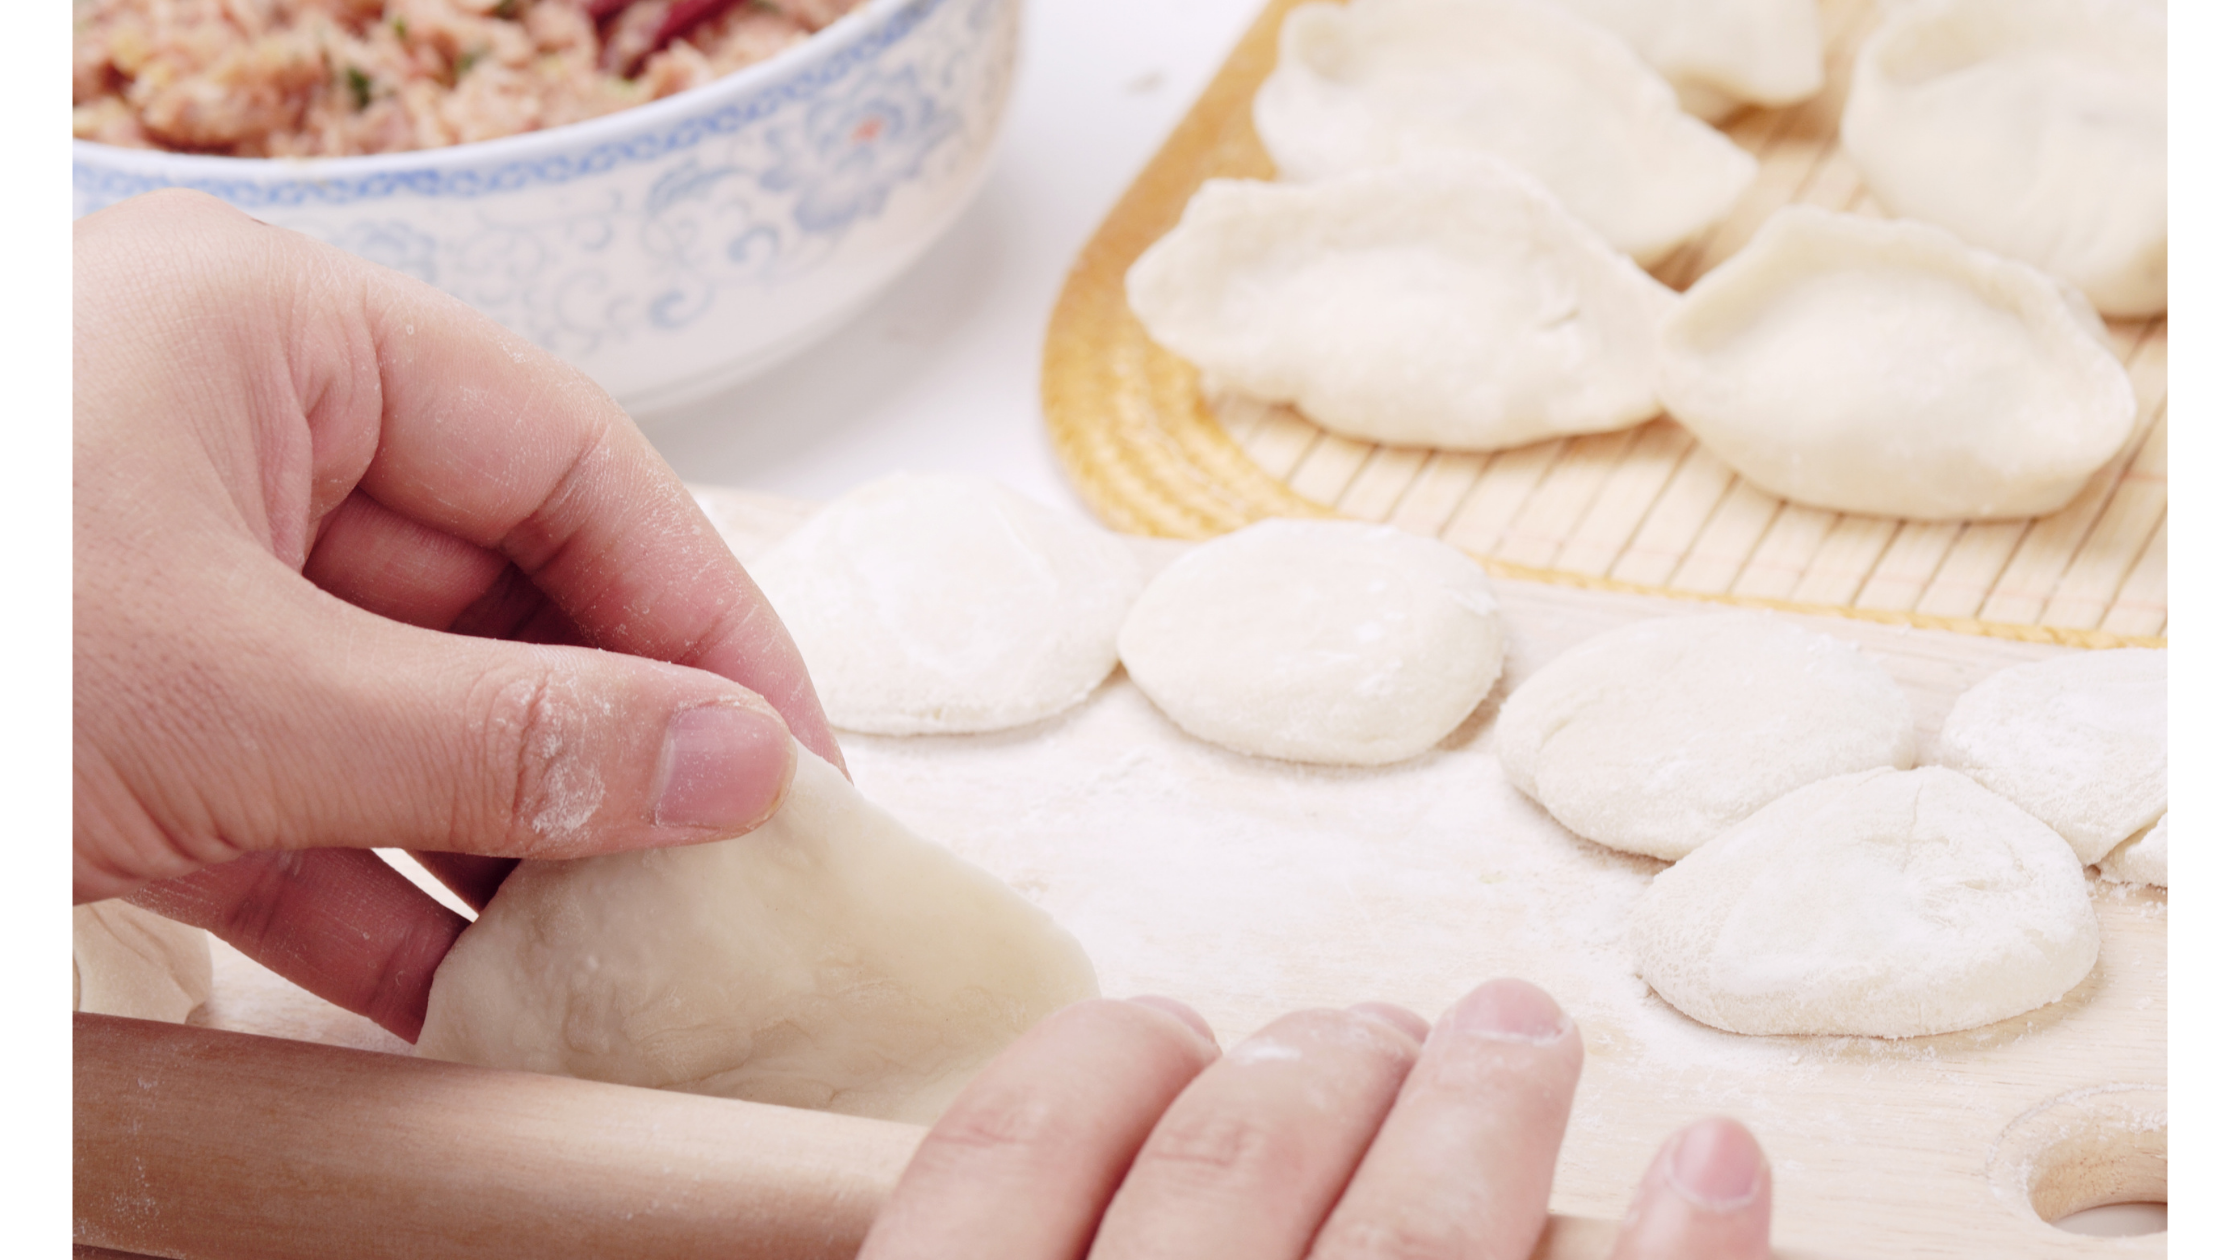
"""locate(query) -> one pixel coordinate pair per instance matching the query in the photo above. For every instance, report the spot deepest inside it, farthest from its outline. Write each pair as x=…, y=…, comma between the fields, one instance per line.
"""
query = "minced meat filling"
x=301, y=78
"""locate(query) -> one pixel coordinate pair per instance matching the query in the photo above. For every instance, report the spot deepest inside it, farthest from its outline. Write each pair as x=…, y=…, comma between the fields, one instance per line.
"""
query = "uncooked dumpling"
x=1382, y=82
x=1862, y=365
x=1656, y=737
x=1719, y=54
x=128, y=961
x=1336, y=642
x=1455, y=306
x=2143, y=859
x=2080, y=741
x=937, y=603
x=827, y=959
x=2035, y=128
x=1888, y=903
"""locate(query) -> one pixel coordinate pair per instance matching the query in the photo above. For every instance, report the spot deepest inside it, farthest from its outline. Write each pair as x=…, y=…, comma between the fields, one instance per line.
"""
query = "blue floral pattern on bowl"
x=675, y=247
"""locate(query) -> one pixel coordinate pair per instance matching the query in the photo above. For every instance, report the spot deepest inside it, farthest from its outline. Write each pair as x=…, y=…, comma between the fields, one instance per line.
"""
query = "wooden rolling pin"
x=205, y=1145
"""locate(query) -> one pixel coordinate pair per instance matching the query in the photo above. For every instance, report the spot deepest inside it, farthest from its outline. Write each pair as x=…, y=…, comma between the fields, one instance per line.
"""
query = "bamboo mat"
x=1644, y=510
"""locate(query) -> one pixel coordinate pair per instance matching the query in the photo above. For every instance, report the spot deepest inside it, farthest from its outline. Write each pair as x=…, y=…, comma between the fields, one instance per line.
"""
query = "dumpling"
x=1720, y=54
x=1455, y=306
x=1379, y=82
x=2037, y=128
x=1864, y=365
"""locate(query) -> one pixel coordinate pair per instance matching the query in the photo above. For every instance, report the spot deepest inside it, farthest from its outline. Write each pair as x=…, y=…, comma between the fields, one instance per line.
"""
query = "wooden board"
x=1645, y=509
x=1251, y=887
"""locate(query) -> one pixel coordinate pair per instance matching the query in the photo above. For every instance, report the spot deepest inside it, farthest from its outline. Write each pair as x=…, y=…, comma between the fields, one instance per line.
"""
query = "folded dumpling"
x=1866, y=365
x=2037, y=128
x=1456, y=306
x=1720, y=55
x=1380, y=82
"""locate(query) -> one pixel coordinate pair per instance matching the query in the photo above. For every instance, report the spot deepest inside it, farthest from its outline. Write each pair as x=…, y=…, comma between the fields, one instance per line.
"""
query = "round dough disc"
x=931, y=604
x=1335, y=642
x=1657, y=737
x=828, y=959
x=1888, y=903
x=2081, y=741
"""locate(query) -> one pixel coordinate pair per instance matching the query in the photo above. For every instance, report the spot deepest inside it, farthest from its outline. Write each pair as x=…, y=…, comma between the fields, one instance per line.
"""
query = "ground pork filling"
x=303, y=78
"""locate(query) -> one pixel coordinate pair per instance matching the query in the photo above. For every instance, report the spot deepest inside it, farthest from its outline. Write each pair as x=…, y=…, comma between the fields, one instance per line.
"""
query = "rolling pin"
x=198, y=1144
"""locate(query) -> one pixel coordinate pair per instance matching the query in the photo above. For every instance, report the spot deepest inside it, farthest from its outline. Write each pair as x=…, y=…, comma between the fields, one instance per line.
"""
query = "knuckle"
x=532, y=746
x=1216, y=1148
x=1358, y=1238
x=1000, y=1126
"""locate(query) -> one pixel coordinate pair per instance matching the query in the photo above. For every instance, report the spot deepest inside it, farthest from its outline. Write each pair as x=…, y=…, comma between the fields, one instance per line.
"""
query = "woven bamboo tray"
x=1644, y=510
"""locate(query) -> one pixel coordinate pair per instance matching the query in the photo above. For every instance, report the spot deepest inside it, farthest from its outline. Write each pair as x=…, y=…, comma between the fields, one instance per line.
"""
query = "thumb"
x=316, y=724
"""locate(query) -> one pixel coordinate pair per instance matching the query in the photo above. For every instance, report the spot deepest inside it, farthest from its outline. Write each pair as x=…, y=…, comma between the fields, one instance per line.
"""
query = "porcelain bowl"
x=679, y=247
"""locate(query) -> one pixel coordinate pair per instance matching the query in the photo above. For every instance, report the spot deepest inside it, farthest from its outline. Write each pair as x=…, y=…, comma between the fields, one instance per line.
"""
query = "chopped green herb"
x=361, y=87
x=506, y=9
x=466, y=62
x=397, y=24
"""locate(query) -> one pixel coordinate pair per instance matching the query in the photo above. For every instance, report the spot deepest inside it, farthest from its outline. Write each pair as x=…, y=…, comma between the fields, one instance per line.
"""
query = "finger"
x=398, y=568
x=1708, y=1195
x=472, y=878
x=291, y=720
x=1248, y=1160
x=1463, y=1165
x=1021, y=1165
x=405, y=571
x=338, y=922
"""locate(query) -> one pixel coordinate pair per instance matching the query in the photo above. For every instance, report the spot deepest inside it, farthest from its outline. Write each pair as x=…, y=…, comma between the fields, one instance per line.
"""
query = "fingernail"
x=1715, y=1165
x=1407, y=1021
x=1513, y=1011
x=723, y=767
x=1181, y=1011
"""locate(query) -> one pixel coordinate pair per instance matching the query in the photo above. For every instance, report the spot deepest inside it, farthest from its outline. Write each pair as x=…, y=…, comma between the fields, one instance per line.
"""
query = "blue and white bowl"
x=681, y=246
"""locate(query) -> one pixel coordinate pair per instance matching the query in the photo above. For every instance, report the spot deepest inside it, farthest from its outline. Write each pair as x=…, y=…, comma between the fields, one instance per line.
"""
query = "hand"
x=356, y=567
x=1117, y=1130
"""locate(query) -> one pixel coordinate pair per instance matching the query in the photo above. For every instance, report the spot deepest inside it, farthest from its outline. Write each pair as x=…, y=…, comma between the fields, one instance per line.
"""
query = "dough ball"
x=1888, y=903
x=1456, y=306
x=1336, y=642
x=2036, y=128
x=1719, y=55
x=1399, y=82
x=134, y=962
x=1656, y=737
x=929, y=604
x=2080, y=741
x=2143, y=859
x=828, y=959
x=1884, y=367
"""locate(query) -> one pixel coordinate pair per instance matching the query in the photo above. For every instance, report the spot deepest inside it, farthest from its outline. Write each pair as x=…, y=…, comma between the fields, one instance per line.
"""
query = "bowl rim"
x=639, y=133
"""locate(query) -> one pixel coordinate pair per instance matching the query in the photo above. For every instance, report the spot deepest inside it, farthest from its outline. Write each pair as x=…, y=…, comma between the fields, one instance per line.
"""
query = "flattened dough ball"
x=1456, y=306
x=828, y=959
x=932, y=603
x=128, y=961
x=1336, y=642
x=1388, y=82
x=1886, y=903
x=1885, y=367
x=1656, y=737
x=2081, y=741
x=2143, y=859
x=2036, y=128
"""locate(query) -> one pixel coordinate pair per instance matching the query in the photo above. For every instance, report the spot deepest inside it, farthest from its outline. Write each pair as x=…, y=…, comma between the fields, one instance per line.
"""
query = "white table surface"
x=943, y=371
